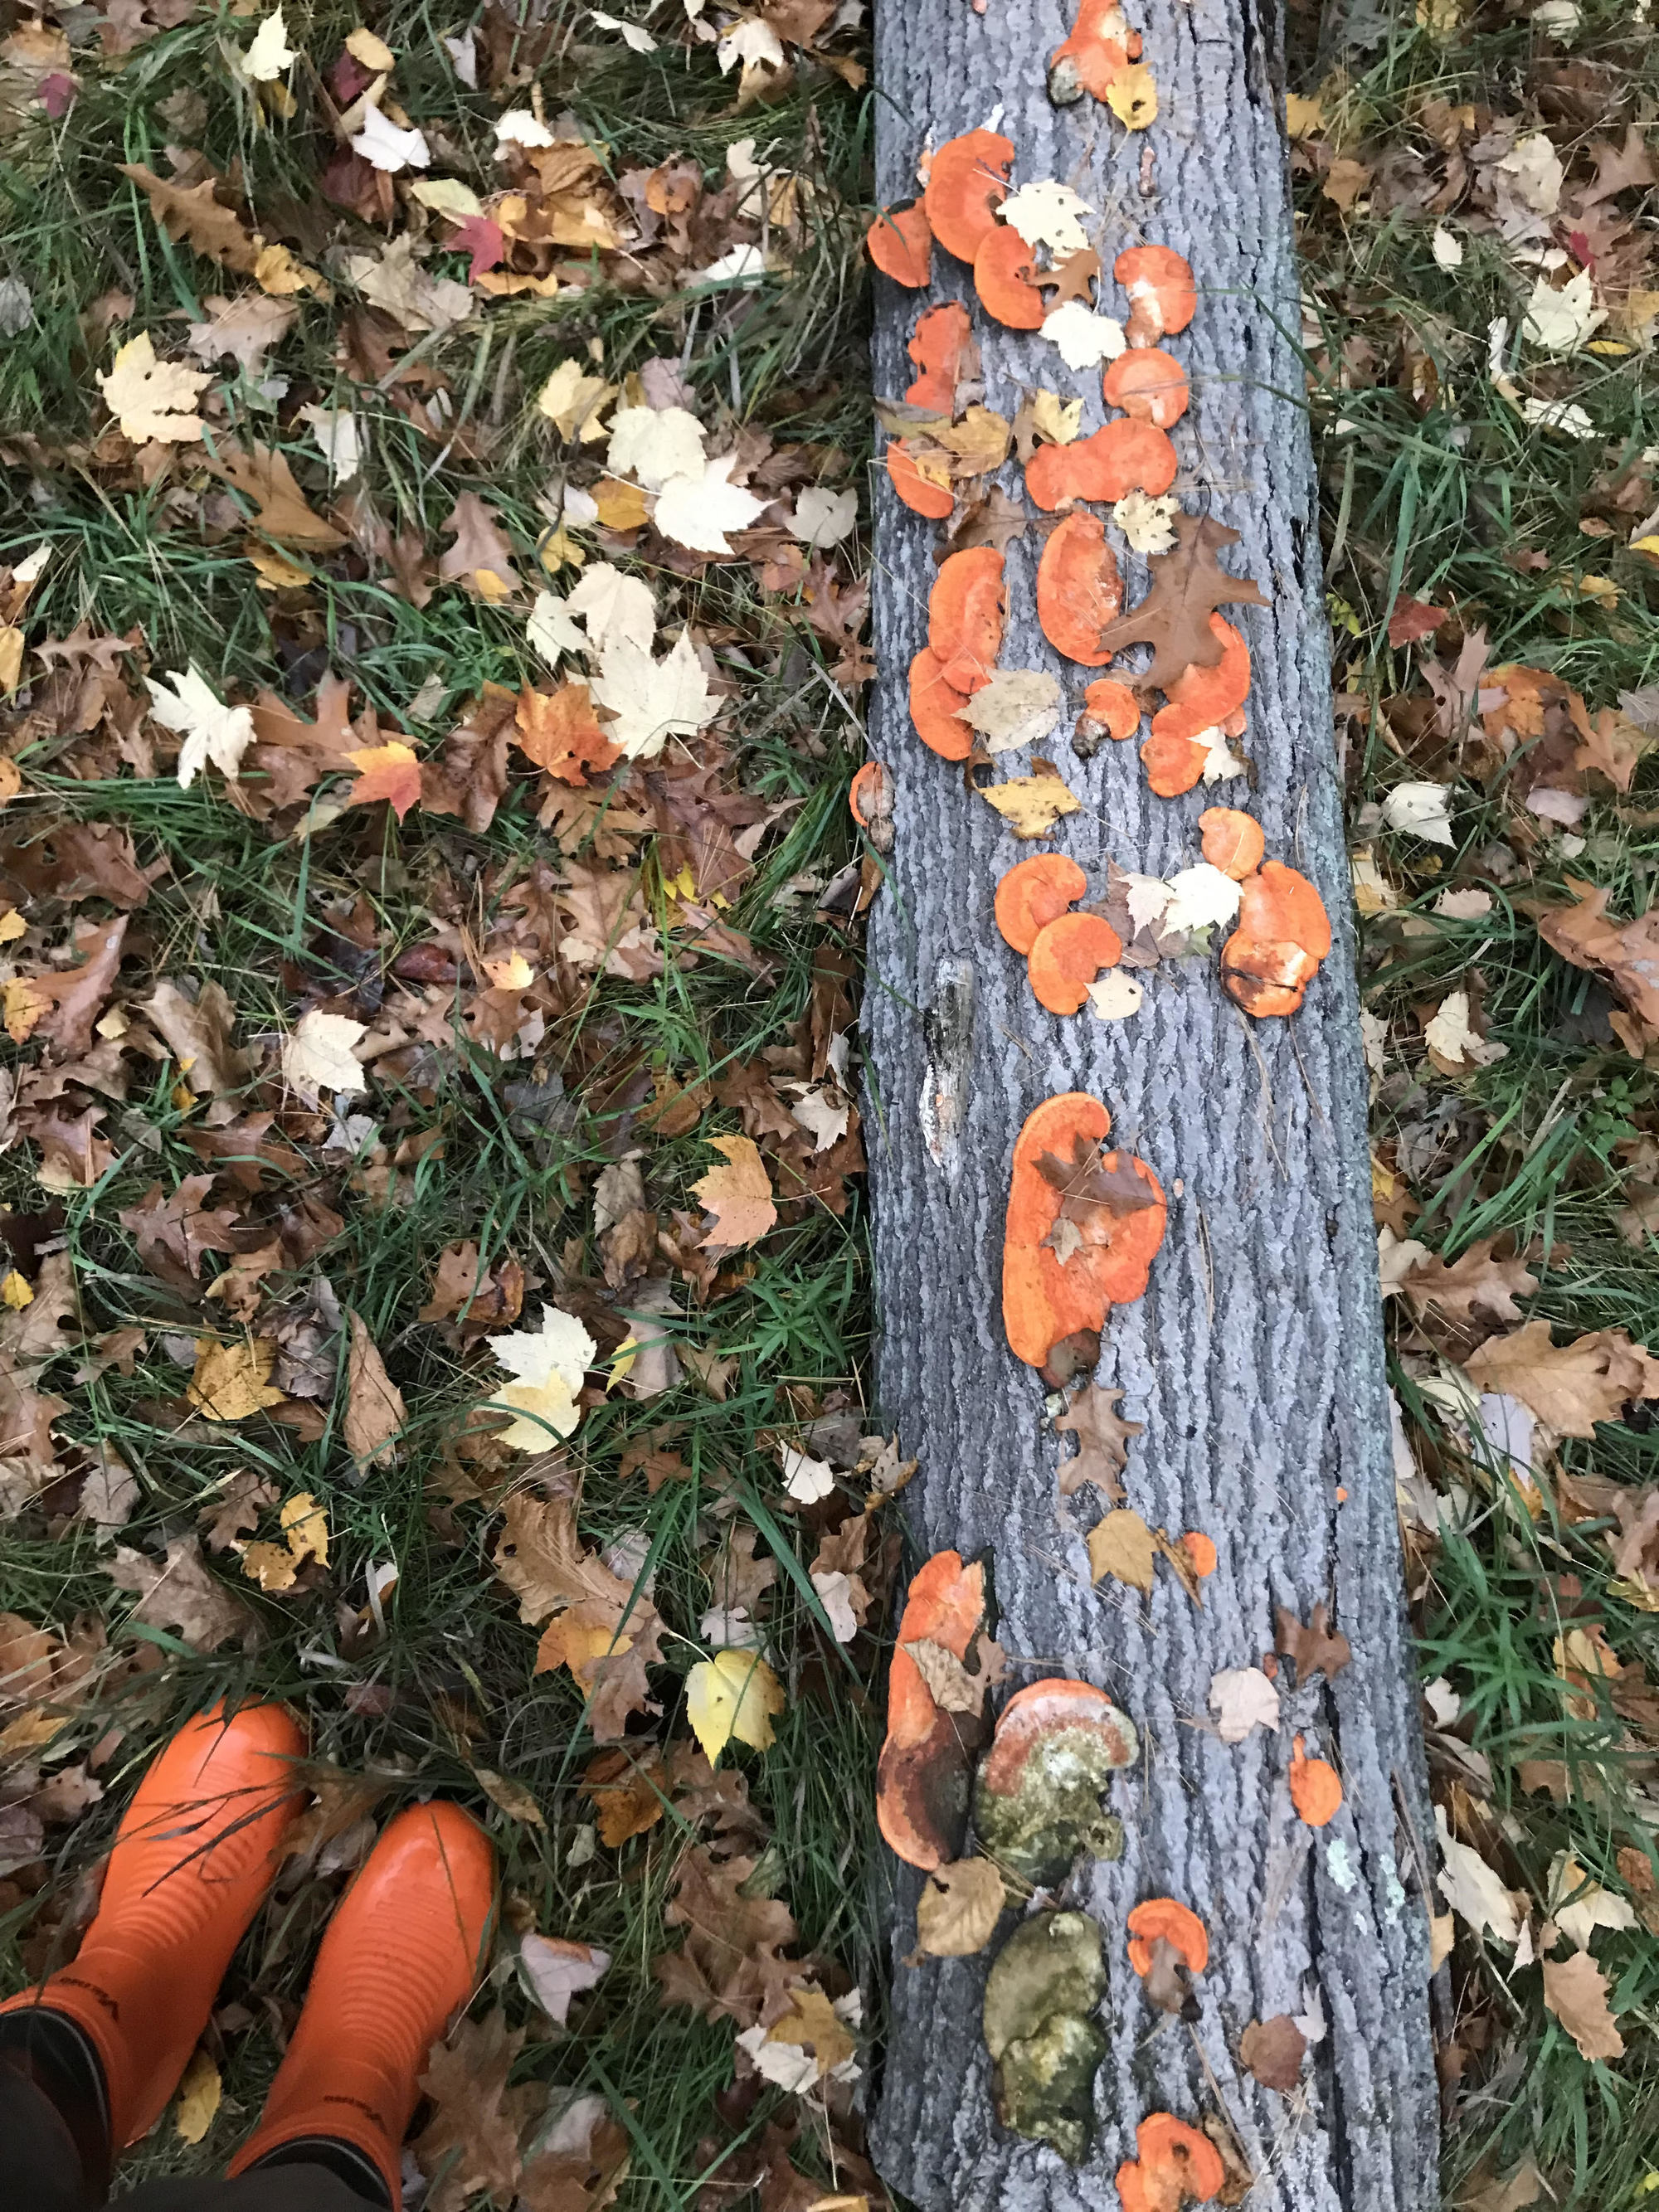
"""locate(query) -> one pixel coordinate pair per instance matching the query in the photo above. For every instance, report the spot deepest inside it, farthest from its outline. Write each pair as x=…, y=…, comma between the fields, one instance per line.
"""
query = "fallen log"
x=1254, y=1361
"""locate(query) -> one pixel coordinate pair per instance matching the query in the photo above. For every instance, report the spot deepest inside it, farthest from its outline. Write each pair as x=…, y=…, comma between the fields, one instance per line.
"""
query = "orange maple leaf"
x=559, y=731
x=391, y=772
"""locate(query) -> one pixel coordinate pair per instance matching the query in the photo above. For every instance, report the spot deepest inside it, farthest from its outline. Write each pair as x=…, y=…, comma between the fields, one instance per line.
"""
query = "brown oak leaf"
x=1316, y=1648
x=1188, y=585
x=1102, y=1436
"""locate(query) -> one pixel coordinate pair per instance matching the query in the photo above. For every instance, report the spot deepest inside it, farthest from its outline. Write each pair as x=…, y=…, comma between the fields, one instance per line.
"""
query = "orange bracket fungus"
x=1037, y=1800
x=1003, y=277
x=966, y=183
x=1173, y=2163
x=1233, y=842
x=1108, y=706
x=1167, y=1944
x=965, y=612
x=1081, y=1231
x=935, y=705
x=1283, y=934
x=920, y=492
x=1204, y=698
x=1126, y=456
x=870, y=801
x=1041, y=1997
x=922, y=1776
x=1101, y=47
x=901, y=245
x=1067, y=955
x=1162, y=298
x=1316, y=1789
x=1078, y=589
x=941, y=339
x=1147, y=384
x=1034, y=893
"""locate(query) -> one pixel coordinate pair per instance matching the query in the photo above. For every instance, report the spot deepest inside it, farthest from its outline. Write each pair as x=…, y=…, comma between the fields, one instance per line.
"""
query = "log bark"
x=1255, y=1358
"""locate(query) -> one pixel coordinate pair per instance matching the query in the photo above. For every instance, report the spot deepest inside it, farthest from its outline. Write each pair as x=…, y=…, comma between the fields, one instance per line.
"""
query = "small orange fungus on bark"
x=901, y=245
x=1113, y=1205
x=923, y=1773
x=1173, y=764
x=1100, y=46
x=1173, y=2163
x=966, y=184
x=1162, y=298
x=965, y=612
x=1202, y=698
x=1148, y=385
x=1126, y=456
x=1034, y=893
x=1233, y=842
x=1078, y=589
x=1316, y=1789
x=936, y=348
x=1003, y=270
x=1283, y=934
x=916, y=490
x=1068, y=954
x=1113, y=705
x=1177, y=1925
x=1201, y=1551
x=934, y=706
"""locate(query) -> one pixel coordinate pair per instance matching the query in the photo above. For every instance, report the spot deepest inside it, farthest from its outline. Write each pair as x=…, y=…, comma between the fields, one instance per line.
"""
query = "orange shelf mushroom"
x=923, y=1773
x=1113, y=1201
x=1200, y=1550
x=1068, y=954
x=1161, y=296
x=901, y=245
x=1003, y=270
x=1126, y=456
x=1078, y=589
x=1203, y=698
x=1233, y=842
x=918, y=492
x=1173, y=2163
x=1175, y=1925
x=1283, y=934
x=1100, y=46
x=1111, y=705
x=870, y=799
x=1034, y=893
x=934, y=706
x=966, y=609
x=966, y=184
x=1315, y=1788
x=1173, y=764
x=1149, y=384
x=937, y=342
x=1037, y=1798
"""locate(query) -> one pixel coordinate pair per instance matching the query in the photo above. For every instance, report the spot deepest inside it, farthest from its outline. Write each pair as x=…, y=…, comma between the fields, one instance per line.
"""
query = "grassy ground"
x=1435, y=486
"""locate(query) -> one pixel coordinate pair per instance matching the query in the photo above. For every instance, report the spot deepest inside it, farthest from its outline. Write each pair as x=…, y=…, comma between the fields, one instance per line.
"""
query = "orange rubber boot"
x=195, y=1854
x=403, y=1952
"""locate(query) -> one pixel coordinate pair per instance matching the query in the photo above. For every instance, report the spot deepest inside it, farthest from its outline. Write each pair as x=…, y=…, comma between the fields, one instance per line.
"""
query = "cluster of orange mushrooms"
x=1083, y=1224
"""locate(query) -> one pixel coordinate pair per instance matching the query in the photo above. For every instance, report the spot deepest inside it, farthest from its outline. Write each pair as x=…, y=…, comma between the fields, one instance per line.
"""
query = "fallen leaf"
x=548, y=1365
x=152, y=398
x=182, y=1595
x=1242, y=1698
x=1315, y=1649
x=320, y=1055
x=697, y=511
x=375, y=1413
x=1121, y=1546
x=650, y=700
x=382, y=143
x=1147, y=523
x=1273, y=2051
x=735, y=1694
x=1188, y=585
x=1571, y=1386
x=211, y=731
x=481, y=557
x=1576, y=1992
x=1032, y=804
x=1046, y=213
x=738, y=1197
x=560, y=732
x=557, y=1970
x=472, y=2135
x=1578, y=1906
x=1018, y=707
x=655, y=444
x=1474, y=1891
x=573, y=400
x=1422, y=810
x=233, y=1381
x=1102, y=1436
x=1085, y=338
x=1133, y=96
x=201, y=2089
x=390, y=772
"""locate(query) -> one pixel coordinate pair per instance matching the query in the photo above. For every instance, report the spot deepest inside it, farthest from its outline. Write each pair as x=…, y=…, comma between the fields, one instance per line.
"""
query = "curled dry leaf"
x=1273, y=2051
x=1315, y=1649
x=958, y=1910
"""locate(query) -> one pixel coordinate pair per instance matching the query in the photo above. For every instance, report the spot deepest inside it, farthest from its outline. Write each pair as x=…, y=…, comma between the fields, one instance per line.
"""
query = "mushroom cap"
x=1201, y=698
x=1173, y=2162
x=1100, y=45
x=1315, y=1788
x=1040, y=1711
x=1200, y=1550
x=1115, y=704
x=1034, y=892
x=1125, y=456
x=1068, y=953
x=1177, y=1925
x=1161, y=296
x=1173, y=765
x=1037, y=1798
x=1043, y=1302
x=870, y=794
x=936, y=348
x=934, y=706
x=922, y=1775
x=965, y=612
x=901, y=245
x=1003, y=270
x=1233, y=842
x=1078, y=589
x=1148, y=384
x=966, y=184
x=918, y=493
x=1282, y=934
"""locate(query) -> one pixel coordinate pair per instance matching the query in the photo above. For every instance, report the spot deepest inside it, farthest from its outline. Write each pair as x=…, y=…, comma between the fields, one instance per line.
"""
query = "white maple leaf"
x=1147, y=523
x=651, y=701
x=383, y=144
x=1421, y=809
x=550, y=631
x=1085, y=338
x=519, y=127
x=270, y=56
x=641, y=41
x=806, y=1480
x=211, y=731
x=824, y=518
x=651, y=444
x=1200, y=898
x=1560, y=321
x=750, y=41
x=1046, y=214
x=696, y=512
x=1242, y=1698
x=615, y=607
x=321, y=1055
x=547, y=1365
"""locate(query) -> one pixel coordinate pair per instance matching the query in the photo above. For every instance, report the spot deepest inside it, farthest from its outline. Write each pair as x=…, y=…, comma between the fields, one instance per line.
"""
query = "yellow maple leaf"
x=198, y=2098
x=15, y=1292
x=305, y=1523
x=735, y=1694
x=738, y=1195
x=1132, y=97
x=232, y=1381
x=1032, y=804
x=153, y=399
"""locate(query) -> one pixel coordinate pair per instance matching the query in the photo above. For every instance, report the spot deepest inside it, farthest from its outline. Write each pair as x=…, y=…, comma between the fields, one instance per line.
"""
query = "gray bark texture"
x=1255, y=1358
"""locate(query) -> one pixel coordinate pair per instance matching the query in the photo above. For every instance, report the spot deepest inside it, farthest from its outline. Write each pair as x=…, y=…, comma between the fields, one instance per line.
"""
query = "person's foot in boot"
x=107, y=2038
x=403, y=1952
